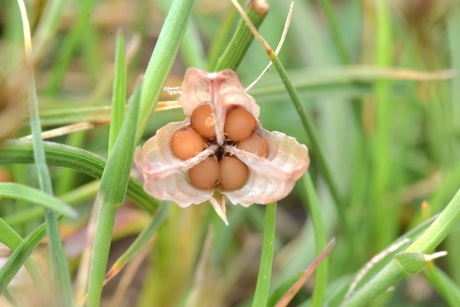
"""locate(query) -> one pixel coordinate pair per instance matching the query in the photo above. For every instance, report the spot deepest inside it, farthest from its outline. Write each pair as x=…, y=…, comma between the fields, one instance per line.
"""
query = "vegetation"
x=370, y=87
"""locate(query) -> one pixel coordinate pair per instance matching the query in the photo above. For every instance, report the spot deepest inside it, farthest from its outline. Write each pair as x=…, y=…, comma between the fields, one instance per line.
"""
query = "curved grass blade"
x=427, y=242
x=75, y=158
x=80, y=194
x=8, y=235
x=25, y=193
x=19, y=256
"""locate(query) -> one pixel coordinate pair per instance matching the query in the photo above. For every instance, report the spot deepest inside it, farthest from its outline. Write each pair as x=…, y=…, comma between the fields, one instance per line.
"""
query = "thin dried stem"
x=278, y=48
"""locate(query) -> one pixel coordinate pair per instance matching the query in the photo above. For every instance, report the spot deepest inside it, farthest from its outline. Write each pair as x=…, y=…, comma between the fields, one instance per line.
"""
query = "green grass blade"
x=83, y=193
x=191, y=47
x=426, y=243
x=266, y=259
x=25, y=193
x=242, y=38
x=119, y=91
x=320, y=242
x=19, y=256
x=78, y=159
x=8, y=236
x=385, y=216
x=162, y=59
x=443, y=284
x=219, y=43
x=114, y=183
x=59, y=267
x=315, y=145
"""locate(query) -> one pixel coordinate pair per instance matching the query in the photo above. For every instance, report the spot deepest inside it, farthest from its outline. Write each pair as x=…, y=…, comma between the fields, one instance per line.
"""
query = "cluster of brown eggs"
x=221, y=168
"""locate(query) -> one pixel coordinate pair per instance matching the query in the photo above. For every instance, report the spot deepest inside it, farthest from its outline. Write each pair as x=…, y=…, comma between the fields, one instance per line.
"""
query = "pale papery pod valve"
x=222, y=90
x=270, y=177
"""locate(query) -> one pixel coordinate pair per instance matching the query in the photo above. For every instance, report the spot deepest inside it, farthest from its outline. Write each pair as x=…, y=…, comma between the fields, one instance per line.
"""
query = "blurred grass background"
x=378, y=78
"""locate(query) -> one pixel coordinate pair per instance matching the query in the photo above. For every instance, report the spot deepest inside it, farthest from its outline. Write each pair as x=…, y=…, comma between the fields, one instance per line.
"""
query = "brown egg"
x=186, y=143
x=239, y=124
x=233, y=172
x=202, y=120
x=255, y=144
x=205, y=174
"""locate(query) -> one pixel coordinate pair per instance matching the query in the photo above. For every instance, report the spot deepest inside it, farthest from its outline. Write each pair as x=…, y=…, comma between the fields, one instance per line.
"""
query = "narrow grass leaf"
x=220, y=42
x=266, y=259
x=114, y=183
x=162, y=59
x=242, y=38
x=25, y=193
x=315, y=145
x=80, y=194
x=191, y=47
x=320, y=242
x=81, y=160
x=384, y=214
x=59, y=267
x=443, y=284
x=8, y=235
x=426, y=243
x=19, y=256
x=119, y=91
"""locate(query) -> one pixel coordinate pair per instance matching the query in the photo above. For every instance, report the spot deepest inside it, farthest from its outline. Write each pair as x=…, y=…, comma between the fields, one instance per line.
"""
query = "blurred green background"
x=378, y=78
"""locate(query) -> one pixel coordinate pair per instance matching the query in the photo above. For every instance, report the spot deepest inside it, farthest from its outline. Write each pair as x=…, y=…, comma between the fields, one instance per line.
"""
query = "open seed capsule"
x=186, y=143
x=202, y=120
x=233, y=172
x=255, y=144
x=205, y=174
x=239, y=125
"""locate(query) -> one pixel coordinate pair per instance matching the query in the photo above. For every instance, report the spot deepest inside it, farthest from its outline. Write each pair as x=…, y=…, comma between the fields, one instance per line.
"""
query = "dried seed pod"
x=165, y=176
x=233, y=172
x=186, y=143
x=222, y=90
x=246, y=176
x=205, y=174
x=203, y=121
x=273, y=177
x=239, y=125
x=255, y=144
